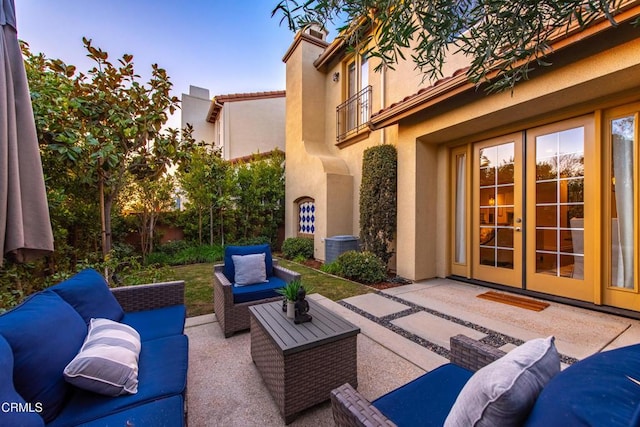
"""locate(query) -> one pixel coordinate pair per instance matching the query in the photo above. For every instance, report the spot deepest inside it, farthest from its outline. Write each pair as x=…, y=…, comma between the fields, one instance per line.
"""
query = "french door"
x=497, y=210
x=620, y=213
x=531, y=215
x=562, y=196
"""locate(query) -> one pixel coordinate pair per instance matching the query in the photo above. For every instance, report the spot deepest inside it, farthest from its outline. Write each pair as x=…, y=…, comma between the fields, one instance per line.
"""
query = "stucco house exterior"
x=193, y=111
x=533, y=190
x=240, y=124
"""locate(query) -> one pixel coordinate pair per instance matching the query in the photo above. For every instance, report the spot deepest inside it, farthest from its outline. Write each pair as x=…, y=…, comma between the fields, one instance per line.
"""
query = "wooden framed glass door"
x=561, y=216
x=620, y=153
x=534, y=203
x=497, y=211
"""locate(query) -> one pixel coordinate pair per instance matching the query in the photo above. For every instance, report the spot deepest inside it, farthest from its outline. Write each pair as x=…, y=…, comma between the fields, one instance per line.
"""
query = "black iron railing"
x=353, y=115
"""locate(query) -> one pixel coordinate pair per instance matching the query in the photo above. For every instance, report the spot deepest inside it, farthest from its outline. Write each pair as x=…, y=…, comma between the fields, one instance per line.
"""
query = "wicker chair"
x=350, y=408
x=234, y=317
x=151, y=296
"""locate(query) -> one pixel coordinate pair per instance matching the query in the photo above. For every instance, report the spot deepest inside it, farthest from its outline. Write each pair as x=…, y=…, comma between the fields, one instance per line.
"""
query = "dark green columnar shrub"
x=378, y=200
x=364, y=267
x=297, y=247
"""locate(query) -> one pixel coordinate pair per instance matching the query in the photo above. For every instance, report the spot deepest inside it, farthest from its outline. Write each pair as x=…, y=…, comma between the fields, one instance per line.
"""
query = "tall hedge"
x=378, y=200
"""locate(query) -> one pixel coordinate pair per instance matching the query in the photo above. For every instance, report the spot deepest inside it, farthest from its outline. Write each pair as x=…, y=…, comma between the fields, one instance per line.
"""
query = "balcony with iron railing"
x=352, y=116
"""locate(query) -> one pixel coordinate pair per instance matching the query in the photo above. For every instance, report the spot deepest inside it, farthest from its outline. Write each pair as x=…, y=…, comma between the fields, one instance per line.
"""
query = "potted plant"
x=290, y=293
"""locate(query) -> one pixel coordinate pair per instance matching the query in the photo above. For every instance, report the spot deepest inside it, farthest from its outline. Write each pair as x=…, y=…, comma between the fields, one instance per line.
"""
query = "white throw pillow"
x=503, y=392
x=250, y=269
x=108, y=360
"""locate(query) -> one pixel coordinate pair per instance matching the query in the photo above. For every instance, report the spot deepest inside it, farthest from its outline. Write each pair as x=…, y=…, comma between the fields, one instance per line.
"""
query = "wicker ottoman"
x=301, y=364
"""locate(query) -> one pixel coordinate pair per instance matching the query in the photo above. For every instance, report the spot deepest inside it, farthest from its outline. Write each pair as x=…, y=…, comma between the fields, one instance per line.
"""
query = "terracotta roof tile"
x=219, y=100
x=248, y=96
x=422, y=91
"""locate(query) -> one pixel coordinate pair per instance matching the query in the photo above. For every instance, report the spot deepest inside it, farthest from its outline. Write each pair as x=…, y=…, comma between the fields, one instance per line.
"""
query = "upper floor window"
x=353, y=115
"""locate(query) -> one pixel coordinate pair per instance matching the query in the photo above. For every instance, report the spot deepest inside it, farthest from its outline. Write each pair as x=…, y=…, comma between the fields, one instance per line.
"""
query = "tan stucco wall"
x=306, y=176
x=194, y=107
x=578, y=88
x=252, y=126
x=318, y=168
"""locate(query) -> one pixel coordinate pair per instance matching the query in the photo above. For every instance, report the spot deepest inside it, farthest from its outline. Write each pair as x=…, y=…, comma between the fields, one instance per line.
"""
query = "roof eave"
x=458, y=84
x=214, y=111
x=448, y=89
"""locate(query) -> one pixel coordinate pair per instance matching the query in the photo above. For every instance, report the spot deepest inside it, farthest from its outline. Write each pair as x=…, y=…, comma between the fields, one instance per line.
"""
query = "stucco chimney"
x=317, y=31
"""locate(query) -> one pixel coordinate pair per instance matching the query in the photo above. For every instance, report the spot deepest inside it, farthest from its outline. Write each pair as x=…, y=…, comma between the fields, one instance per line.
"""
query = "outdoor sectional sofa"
x=41, y=336
x=600, y=390
x=232, y=302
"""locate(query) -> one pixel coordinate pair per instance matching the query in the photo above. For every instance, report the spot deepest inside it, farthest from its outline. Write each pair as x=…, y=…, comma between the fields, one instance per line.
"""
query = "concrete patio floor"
x=404, y=333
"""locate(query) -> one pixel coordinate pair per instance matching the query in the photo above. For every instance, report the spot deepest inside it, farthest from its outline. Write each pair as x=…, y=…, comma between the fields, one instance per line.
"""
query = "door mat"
x=525, y=303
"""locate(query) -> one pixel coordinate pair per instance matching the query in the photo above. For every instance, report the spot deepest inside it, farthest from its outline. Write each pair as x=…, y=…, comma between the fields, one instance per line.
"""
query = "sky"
x=225, y=46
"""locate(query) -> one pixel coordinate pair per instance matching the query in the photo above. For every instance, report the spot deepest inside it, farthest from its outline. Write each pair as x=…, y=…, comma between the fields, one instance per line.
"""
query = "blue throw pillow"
x=89, y=294
x=45, y=333
x=229, y=269
x=14, y=411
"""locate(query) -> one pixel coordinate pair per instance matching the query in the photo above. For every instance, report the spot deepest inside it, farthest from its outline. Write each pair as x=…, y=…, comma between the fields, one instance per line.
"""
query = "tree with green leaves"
x=148, y=199
x=503, y=39
x=258, y=194
x=73, y=206
x=101, y=126
x=205, y=179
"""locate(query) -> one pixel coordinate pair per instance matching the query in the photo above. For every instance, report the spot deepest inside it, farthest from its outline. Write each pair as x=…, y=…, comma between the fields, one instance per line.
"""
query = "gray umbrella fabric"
x=25, y=226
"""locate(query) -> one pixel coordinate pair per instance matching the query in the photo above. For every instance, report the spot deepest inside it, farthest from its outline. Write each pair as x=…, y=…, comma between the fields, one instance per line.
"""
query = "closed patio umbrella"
x=25, y=227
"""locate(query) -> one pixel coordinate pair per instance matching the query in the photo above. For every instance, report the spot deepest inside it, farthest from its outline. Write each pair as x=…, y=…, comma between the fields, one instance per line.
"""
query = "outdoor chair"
x=424, y=401
x=484, y=386
x=248, y=276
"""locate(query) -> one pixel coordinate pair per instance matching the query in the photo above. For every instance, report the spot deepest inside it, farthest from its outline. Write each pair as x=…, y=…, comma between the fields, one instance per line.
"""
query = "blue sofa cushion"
x=425, y=401
x=14, y=411
x=162, y=373
x=89, y=294
x=157, y=323
x=167, y=412
x=229, y=270
x=602, y=393
x=257, y=292
x=45, y=334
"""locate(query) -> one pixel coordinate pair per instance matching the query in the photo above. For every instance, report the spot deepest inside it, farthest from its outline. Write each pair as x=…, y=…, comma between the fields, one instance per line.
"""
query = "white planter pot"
x=291, y=309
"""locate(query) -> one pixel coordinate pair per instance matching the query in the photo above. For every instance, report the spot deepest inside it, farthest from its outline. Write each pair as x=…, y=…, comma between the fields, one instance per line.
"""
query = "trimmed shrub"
x=364, y=267
x=297, y=247
x=378, y=200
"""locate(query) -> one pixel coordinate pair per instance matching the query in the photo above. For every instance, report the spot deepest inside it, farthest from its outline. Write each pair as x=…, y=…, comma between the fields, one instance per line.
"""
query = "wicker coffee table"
x=301, y=364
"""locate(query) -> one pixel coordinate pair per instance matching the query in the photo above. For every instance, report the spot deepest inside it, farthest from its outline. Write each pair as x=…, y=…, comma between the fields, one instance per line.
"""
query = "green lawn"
x=329, y=286
x=198, y=292
x=199, y=285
